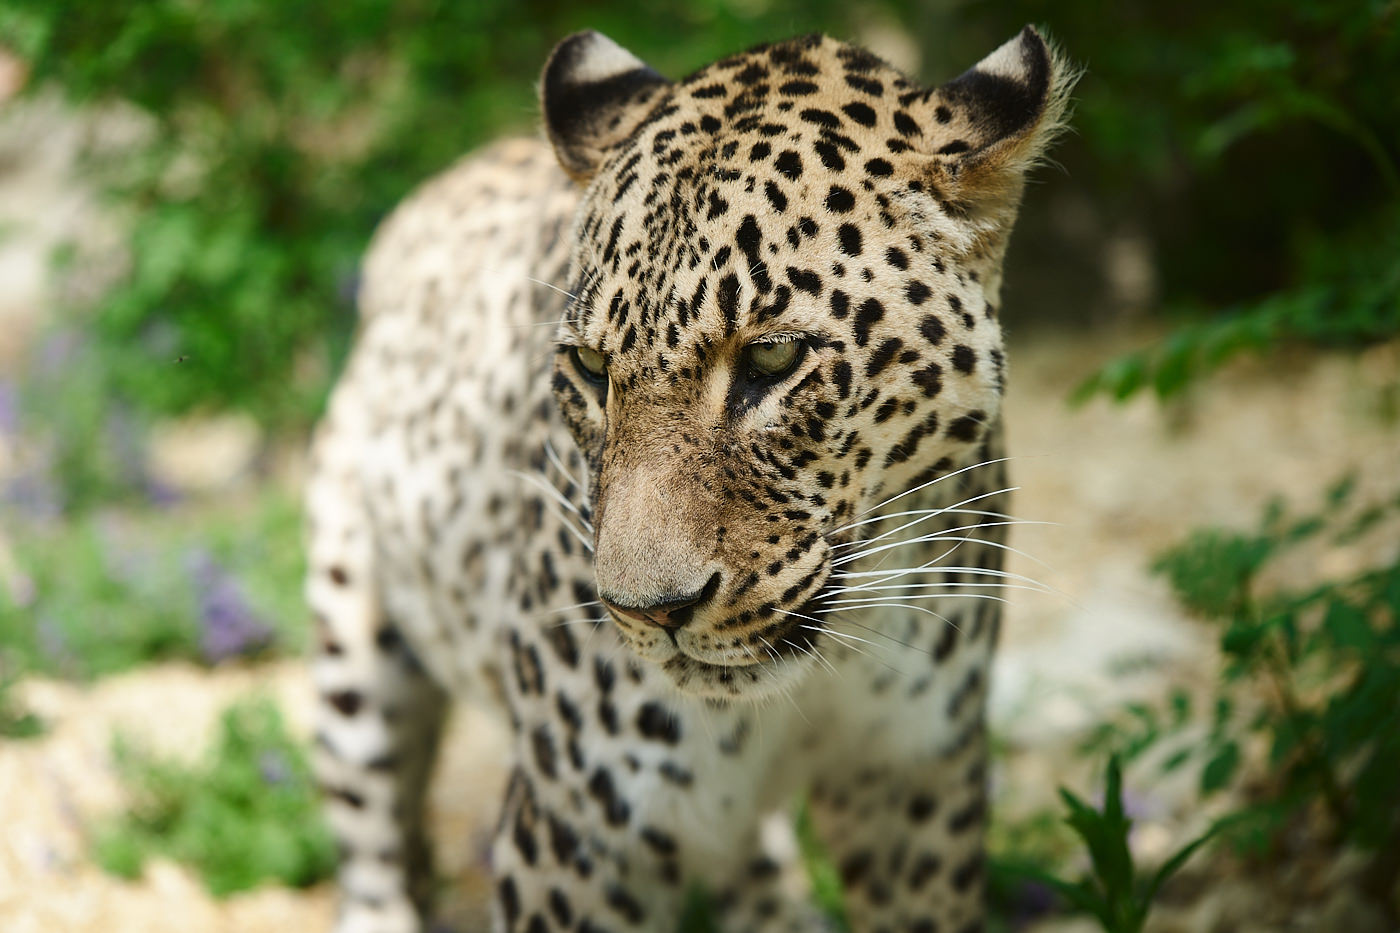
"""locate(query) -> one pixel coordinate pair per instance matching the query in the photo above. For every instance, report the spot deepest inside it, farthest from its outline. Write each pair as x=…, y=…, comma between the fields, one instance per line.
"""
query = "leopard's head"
x=786, y=269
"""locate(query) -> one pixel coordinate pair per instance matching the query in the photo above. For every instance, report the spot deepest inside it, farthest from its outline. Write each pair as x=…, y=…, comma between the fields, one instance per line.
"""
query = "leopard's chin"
x=782, y=660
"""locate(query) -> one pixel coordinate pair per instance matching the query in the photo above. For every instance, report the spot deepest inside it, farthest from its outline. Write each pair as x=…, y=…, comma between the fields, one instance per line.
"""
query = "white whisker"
x=569, y=295
x=558, y=462
x=910, y=492
x=550, y=612
x=941, y=535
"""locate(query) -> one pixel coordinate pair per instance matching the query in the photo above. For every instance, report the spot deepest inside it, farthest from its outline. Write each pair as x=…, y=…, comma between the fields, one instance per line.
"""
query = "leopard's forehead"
x=761, y=195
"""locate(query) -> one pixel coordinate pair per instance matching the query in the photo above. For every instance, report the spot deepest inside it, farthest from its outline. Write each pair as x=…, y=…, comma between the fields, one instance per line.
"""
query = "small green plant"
x=15, y=721
x=246, y=815
x=1113, y=892
x=1311, y=667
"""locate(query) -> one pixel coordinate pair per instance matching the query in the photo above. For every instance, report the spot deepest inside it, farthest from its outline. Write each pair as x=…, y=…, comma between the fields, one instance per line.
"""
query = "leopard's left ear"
x=593, y=94
x=988, y=126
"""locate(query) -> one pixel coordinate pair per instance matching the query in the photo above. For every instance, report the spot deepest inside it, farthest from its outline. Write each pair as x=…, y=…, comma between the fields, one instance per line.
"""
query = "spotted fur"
x=560, y=476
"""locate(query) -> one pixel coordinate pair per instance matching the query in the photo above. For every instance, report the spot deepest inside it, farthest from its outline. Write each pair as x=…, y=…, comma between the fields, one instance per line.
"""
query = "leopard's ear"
x=593, y=94
x=988, y=126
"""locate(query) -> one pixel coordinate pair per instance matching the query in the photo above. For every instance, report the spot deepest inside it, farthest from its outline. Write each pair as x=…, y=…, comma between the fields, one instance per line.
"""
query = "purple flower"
x=229, y=627
x=274, y=768
x=9, y=409
x=1033, y=901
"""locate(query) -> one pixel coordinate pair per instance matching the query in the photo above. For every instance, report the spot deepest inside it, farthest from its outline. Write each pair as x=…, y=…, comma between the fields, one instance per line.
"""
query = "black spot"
x=656, y=722
x=954, y=147
x=932, y=329
x=855, y=867
x=524, y=840
x=967, y=427
x=543, y=744
x=760, y=151
x=917, y=293
x=789, y=164
x=662, y=843
x=509, y=897
x=849, y=235
x=821, y=117
x=964, y=360
x=829, y=156
x=563, y=841
x=561, y=909
x=882, y=356
x=895, y=257
x=338, y=575
x=868, y=85
x=860, y=112
x=879, y=168
x=841, y=376
x=840, y=304
x=942, y=114
x=346, y=702
x=926, y=866
x=930, y=379
x=709, y=124
x=805, y=280
x=839, y=200
x=775, y=196
x=601, y=789
x=905, y=124
x=727, y=295
x=921, y=807
x=625, y=904
x=797, y=88
x=870, y=312
x=966, y=874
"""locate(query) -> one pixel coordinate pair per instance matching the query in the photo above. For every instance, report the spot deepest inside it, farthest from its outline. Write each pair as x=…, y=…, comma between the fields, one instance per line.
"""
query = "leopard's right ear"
x=593, y=94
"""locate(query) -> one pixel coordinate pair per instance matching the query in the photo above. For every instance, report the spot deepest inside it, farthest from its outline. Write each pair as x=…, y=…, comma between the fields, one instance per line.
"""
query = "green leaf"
x=1220, y=769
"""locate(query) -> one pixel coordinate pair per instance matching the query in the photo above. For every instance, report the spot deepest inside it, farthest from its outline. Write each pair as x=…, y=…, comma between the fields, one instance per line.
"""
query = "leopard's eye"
x=771, y=360
x=591, y=365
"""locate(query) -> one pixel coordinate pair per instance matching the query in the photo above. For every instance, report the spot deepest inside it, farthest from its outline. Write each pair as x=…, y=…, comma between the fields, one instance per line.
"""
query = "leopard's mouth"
x=769, y=663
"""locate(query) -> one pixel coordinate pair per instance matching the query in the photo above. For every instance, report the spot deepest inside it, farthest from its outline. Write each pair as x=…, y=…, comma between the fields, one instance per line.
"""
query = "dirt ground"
x=1118, y=482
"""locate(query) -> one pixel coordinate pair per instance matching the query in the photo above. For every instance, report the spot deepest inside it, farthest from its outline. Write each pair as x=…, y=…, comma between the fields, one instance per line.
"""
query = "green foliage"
x=15, y=721
x=246, y=815
x=1113, y=892
x=1310, y=666
x=1256, y=146
x=821, y=870
x=116, y=589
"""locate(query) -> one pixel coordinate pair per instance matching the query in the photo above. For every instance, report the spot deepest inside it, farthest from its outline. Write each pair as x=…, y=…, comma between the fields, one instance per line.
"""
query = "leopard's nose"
x=669, y=613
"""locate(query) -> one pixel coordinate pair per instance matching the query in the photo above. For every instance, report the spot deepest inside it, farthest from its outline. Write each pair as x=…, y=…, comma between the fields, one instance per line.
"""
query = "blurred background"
x=1203, y=308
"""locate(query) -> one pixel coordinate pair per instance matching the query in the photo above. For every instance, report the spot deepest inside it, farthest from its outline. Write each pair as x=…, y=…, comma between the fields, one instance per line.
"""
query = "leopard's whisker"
x=545, y=485
x=1009, y=520
x=558, y=462
x=557, y=496
x=928, y=586
x=550, y=612
x=910, y=492
x=947, y=534
x=924, y=609
x=567, y=294
x=883, y=600
x=930, y=514
x=937, y=511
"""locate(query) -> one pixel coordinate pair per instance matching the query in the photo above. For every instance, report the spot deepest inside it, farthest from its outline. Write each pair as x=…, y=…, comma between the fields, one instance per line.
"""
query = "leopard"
x=673, y=435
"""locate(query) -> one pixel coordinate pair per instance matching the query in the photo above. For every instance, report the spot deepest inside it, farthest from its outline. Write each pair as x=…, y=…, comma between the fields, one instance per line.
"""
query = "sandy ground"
x=1119, y=482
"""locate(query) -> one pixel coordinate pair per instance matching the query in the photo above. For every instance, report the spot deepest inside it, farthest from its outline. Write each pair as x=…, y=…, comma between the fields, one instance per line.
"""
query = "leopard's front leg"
x=908, y=842
x=378, y=721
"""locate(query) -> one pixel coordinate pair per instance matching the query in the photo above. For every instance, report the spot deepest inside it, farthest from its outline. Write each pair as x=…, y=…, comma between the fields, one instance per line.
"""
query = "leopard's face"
x=783, y=314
